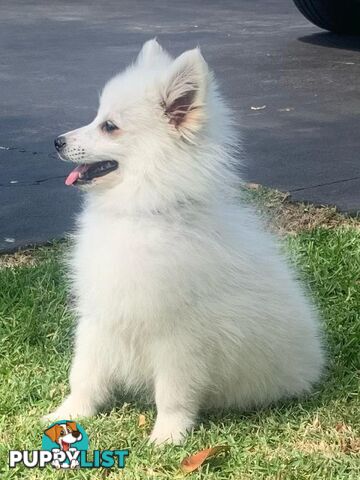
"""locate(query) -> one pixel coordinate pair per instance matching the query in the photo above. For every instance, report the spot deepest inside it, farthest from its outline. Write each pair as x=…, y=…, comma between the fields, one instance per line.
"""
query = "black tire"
x=340, y=16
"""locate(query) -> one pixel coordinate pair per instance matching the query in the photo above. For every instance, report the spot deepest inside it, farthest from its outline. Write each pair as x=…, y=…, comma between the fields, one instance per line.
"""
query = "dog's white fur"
x=179, y=290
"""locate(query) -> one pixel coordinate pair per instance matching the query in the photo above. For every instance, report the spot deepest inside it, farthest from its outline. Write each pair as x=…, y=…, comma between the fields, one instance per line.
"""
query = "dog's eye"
x=62, y=433
x=109, y=126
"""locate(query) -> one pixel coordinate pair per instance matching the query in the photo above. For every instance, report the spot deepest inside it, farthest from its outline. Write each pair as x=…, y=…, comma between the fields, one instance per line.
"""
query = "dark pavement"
x=56, y=55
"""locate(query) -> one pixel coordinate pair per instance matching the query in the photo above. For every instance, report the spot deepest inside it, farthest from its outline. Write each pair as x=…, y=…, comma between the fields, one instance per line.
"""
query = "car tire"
x=340, y=16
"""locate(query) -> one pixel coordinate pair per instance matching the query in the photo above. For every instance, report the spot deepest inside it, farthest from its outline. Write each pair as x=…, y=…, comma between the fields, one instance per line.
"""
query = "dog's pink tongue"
x=75, y=174
x=65, y=446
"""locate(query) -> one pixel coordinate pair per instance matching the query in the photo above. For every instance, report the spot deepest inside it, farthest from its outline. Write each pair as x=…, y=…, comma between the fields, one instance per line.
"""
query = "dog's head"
x=152, y=118
x=64, y=434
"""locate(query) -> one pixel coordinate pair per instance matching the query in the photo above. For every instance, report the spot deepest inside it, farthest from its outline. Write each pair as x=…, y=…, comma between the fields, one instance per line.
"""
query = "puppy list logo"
x=65, y=445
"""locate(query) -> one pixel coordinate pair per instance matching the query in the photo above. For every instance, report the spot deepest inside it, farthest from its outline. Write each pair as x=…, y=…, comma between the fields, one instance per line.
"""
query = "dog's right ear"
x=151, y=53
x=52, y=433
x=184, y=93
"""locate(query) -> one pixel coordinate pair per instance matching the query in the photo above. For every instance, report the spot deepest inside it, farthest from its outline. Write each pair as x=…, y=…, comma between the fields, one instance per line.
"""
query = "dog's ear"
x=72, y=425
x=53, y=433
x=152, y=52
x=184, y=92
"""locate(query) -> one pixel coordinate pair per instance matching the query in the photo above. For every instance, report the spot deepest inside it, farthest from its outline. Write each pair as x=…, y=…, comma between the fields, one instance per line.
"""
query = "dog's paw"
x=170, y=430
x=160, y=440
x=51, y=418
x=74, y=464
x=69, y=410
x=56, y=464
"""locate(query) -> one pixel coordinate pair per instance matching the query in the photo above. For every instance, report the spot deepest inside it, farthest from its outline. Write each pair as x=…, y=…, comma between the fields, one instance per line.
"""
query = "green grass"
x=315, y=438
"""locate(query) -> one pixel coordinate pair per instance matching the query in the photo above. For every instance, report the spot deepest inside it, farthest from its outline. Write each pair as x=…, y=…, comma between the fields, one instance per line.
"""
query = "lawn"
x=313, y=438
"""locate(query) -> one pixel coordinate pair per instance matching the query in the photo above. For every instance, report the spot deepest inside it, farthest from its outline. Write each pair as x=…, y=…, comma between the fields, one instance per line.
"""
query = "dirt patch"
x=344, y=444
x=332, y=441
x=32, y=256
x=287, y=217
x=337, y=440
x=18, y=259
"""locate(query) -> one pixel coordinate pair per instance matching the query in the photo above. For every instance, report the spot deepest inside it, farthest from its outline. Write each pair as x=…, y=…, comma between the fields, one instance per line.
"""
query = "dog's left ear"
x=152, y=53
x=184, y=92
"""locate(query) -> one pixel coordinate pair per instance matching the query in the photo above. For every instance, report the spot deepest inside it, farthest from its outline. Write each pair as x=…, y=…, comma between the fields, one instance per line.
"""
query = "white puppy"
x=179, y=291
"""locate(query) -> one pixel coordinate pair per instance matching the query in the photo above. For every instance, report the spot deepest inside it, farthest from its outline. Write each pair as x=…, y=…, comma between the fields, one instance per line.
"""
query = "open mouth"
x=86, y=172
x=64, y=445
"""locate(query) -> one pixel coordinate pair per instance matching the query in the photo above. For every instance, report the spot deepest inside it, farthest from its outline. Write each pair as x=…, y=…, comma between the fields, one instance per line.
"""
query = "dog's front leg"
x=177, y=400
x=89, y=376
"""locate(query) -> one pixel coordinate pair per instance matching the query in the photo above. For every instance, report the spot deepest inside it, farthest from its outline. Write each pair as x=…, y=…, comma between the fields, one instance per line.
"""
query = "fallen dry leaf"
x=342, y=427
x=349, y=445
x=191, y=463
x=142, y=420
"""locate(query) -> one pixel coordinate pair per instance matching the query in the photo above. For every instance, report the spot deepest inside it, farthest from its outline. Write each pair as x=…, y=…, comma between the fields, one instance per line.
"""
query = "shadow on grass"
x=329, y=391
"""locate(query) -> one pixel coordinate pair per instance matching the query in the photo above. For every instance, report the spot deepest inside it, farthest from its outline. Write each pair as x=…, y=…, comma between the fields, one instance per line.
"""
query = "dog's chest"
x=130, y=269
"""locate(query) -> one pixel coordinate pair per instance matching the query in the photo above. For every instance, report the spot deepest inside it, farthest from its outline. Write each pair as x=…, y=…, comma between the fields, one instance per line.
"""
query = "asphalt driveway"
x=294, y=89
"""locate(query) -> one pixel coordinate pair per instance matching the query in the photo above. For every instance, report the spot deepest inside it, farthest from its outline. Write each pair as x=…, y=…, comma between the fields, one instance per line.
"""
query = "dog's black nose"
x=76, y=433
x=60, y=143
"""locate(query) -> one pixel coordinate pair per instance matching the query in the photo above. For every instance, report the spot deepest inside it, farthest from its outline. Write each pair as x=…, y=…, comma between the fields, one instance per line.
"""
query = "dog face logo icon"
x=65, y=439
x=64, y=434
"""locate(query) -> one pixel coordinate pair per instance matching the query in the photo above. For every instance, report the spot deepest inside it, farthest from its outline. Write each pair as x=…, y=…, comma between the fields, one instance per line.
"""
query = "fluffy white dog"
x=179, y=291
